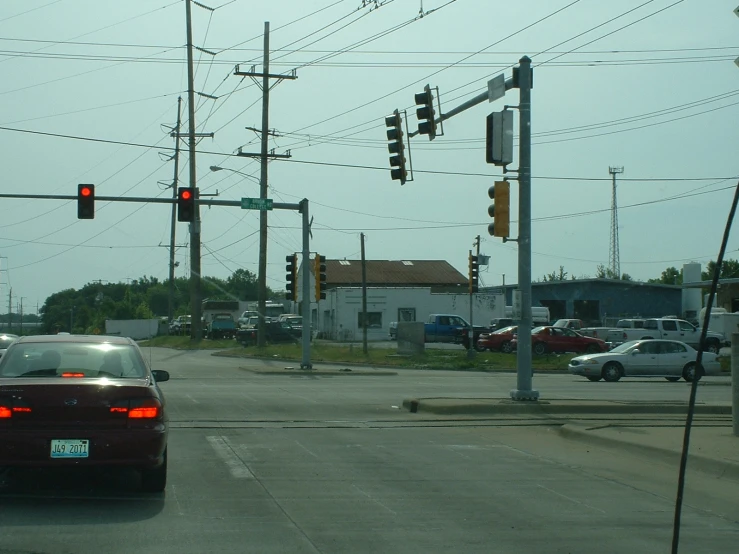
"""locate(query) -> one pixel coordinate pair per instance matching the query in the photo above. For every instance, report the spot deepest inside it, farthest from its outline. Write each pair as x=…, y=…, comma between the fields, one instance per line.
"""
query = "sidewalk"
x=712, y=449
x=643, y=428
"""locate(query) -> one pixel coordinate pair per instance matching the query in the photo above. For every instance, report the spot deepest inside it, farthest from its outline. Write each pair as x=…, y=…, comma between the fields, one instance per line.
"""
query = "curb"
x=507, y=407
x=318, y=372
x=721, y=468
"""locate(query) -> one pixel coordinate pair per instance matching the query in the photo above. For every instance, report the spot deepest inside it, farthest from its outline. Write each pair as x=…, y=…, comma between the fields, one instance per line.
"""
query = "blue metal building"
x=597, y=301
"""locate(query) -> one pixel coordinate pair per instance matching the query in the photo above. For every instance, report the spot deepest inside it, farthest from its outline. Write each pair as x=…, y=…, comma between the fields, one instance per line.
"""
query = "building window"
x=406, y=314
x=374, y=320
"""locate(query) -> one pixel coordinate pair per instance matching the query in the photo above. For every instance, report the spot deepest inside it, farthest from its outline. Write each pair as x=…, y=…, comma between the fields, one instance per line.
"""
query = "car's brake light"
x=7, y=411
x=145, y=408
x=73, y=374
x=148, y=412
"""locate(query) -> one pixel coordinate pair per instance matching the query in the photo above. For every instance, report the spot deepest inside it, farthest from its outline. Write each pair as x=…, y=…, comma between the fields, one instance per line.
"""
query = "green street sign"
x=260, y=204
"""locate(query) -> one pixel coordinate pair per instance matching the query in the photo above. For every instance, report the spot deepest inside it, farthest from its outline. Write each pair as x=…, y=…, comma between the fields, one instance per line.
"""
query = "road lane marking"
x=225, y=452
x=571, y=499
x=308, y=451
x=375, y=500
x=191, y=398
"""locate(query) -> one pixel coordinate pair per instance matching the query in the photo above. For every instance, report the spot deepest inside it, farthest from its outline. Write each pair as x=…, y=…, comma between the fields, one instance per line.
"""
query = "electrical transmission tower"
x=614, y=263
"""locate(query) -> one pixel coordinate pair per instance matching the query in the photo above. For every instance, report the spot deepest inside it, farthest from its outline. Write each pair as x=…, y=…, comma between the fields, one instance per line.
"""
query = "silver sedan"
x=670, y=359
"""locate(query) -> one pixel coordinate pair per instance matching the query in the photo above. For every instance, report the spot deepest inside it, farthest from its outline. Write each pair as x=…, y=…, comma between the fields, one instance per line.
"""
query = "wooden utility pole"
x=196, y=329
x=264, y=156
x=364, y=297
x=173, y=222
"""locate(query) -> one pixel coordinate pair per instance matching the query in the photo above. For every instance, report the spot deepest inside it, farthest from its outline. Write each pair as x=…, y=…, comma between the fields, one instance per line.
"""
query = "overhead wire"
x=373, y=122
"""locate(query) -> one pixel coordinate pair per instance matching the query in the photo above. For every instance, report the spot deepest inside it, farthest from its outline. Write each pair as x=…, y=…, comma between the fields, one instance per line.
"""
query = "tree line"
x=85, y=310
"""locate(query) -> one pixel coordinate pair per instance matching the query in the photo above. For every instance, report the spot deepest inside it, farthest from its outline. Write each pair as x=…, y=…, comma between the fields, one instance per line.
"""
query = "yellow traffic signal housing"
x=500, y=209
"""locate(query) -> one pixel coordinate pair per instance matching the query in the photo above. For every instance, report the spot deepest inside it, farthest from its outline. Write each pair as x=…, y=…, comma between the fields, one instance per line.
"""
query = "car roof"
x=99, y=339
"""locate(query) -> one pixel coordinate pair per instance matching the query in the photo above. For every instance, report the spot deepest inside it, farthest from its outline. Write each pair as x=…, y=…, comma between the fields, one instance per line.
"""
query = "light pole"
x=219, y=168
x=261, y=276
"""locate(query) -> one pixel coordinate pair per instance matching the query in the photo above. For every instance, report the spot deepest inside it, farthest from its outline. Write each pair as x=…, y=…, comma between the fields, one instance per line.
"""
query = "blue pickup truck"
x=451, y=328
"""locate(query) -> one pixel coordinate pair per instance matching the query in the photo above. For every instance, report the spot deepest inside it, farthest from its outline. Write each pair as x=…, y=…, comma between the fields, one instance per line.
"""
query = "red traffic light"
x=185, y=195
x=85, y=201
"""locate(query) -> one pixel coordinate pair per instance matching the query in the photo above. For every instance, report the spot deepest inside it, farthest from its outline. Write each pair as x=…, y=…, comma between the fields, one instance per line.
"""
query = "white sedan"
x=670, y=359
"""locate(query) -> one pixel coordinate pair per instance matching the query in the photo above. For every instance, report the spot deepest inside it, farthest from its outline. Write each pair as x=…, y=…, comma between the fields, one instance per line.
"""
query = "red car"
x=502, y=340
x=560, y=339
x=75, y=400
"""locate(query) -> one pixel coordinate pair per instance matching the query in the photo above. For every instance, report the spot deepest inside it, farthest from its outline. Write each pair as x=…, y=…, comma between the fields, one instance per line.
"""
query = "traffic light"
x=426, y=113
x=85, y=201
x=320, y=273
x=292, y=277
x=396, y=147
x=474, y=265
x=500, y=209
x=185, y=204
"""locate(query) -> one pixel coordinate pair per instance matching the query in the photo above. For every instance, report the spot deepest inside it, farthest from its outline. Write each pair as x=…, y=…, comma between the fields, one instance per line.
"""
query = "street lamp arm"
x=219, y=168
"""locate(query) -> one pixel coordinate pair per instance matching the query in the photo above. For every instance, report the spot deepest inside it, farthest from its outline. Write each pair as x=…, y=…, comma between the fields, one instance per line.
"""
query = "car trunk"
x=59, y=403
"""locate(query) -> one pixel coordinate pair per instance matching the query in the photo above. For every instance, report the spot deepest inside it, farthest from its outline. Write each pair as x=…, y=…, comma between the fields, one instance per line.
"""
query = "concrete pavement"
x=638, y=427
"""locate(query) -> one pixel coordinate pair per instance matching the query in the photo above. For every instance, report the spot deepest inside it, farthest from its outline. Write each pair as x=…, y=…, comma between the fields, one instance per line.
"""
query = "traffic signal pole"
x=524, y=369
x=305, y=285
x=497, y=87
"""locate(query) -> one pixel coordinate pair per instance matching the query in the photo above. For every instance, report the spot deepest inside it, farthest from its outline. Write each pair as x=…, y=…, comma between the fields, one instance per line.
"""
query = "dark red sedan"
x=75, y=400
x=559, y=339
x=502, y=340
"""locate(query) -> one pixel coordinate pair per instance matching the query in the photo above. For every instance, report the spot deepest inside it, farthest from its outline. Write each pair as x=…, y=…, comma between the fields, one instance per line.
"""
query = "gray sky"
x=658, y=97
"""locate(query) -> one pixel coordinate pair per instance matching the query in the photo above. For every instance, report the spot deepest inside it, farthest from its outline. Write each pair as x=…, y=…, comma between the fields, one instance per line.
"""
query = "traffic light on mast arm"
x=474, y=273
x=185, y=204
x=500, y=209
x=396, y=147
x=426, y=113
x=320, y=274
x=85, y=201
x=292, y=277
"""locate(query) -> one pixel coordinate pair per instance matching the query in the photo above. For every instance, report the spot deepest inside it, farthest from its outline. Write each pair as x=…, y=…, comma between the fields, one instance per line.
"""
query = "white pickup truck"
x=673, y=329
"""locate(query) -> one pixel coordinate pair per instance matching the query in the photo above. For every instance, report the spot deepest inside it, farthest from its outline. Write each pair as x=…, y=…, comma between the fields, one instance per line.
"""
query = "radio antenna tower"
x=614, y=263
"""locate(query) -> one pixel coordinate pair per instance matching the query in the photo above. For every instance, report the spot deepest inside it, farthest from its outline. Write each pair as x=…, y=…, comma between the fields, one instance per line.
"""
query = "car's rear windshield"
x=5, y=342
x=59, y=359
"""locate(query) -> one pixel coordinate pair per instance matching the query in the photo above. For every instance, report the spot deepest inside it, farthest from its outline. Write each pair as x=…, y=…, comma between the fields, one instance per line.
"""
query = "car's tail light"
x=73, y=374
x=140, y=408
x=8, y=408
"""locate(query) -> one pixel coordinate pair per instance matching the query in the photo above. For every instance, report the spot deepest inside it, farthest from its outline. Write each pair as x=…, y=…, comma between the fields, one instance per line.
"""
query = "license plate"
x=70, y=448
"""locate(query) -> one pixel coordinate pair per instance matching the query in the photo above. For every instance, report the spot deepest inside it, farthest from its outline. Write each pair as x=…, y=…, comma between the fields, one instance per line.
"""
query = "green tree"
x=729, y=270
x=670, y=276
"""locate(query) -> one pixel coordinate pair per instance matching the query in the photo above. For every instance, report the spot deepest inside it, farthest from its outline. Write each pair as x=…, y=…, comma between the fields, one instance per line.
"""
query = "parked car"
x=221, y=326
x=276, y=332
x=561, y=339
x=6, y=340
x=502, y=340
x=646, y=358
x=83, y=401
x=181, y=325
x=500, y=323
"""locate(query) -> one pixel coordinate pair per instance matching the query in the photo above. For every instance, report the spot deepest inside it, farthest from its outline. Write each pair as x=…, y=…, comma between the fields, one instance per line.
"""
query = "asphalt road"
x=265, y=463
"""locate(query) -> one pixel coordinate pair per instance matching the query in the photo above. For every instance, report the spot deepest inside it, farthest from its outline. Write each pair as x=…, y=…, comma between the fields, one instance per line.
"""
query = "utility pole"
x=264, y=156
x=173, y=222
x=196, y=329
x=364, y=297
x=10, y=309
x=21, y=312
x=614, y=262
